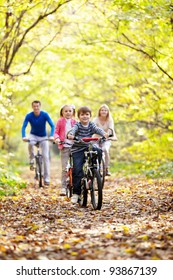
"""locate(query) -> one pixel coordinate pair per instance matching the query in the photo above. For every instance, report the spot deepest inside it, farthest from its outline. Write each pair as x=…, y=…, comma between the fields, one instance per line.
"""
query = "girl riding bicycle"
x=63, y=125
x=83, y=128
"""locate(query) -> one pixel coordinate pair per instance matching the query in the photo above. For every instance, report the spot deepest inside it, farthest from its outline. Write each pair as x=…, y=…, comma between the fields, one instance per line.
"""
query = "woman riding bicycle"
x=105, y=121
x=83, y=128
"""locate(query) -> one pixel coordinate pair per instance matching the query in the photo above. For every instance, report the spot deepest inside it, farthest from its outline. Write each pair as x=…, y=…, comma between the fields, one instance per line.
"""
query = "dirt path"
x=135, y=222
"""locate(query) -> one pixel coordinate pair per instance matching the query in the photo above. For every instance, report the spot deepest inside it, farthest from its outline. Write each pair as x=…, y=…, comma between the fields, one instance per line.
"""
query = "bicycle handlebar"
x=38, y=142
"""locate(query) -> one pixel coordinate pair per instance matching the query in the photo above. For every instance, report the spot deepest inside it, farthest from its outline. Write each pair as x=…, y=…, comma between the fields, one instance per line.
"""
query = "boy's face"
x=84, y=118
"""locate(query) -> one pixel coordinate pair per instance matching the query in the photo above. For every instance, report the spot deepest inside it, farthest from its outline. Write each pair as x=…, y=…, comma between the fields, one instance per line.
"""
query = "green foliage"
x=141, y=168
x=90, y=52
x=10, y=183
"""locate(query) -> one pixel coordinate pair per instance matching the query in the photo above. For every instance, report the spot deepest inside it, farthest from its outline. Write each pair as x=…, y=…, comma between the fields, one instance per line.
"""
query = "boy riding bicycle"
x=83, y=128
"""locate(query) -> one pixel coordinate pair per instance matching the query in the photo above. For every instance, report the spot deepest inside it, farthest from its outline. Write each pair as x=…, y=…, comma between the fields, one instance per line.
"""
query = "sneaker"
x=31, y=165
x=63, y=192
x=46, y=183
x=74, y=198
x=108, y=172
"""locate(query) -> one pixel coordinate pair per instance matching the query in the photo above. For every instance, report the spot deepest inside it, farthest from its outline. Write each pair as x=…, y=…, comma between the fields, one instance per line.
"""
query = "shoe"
x=31, y=165
x=74, y=198
x=107, y=172
x=63, y=192
x=46, y=183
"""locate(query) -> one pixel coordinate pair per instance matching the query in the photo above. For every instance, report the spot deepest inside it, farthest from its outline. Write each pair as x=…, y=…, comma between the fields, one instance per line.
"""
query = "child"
x=63, y=125
x=105, y=121
x=83, y=128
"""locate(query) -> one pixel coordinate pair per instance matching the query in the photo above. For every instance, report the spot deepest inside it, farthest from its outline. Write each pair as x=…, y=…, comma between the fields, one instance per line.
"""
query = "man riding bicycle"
x=38, y=120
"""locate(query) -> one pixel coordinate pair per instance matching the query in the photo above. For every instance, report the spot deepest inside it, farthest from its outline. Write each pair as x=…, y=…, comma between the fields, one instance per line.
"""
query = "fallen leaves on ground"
x=135, y=222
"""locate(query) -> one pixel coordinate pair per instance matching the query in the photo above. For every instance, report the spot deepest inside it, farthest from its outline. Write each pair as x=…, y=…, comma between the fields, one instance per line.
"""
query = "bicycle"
x=38, y=163
x=102, y=168
x=91, y=181
x=69, y=173
x=94, y=173
x=69, y=180
x=91, y=171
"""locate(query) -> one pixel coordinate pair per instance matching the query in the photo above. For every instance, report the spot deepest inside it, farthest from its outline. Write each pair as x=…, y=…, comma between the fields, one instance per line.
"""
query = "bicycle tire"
x=102, y=171
x=69, y=191
x=39, y=172
x=69, y=184
x=84, y=194
x=96, y=190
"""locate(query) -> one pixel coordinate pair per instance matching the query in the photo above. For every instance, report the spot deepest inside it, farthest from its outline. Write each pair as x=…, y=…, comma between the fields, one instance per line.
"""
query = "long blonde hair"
x=109, y=113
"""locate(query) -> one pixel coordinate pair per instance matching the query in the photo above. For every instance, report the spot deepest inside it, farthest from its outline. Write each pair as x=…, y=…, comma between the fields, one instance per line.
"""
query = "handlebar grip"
x=76, y=138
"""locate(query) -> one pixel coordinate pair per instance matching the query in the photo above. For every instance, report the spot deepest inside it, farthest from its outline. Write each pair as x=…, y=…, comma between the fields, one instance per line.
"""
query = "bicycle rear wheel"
x=96, y=190
x=69, y=190
x=84, y=194
x=69, y=183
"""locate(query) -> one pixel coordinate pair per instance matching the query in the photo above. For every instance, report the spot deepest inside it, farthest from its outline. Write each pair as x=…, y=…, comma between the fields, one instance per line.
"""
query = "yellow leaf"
x=20, y=237
x=155, y=258
x=74, y=253
x=2, y=249
x=143, y=237
x=67, y=246
x=125, y=229
x=78, y=240
x=130, y=250
x=108, y=235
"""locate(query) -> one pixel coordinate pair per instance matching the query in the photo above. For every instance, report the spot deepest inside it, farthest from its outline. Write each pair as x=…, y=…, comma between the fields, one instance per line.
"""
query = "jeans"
x=64, y=153
x=78, y=162
x=45, y=152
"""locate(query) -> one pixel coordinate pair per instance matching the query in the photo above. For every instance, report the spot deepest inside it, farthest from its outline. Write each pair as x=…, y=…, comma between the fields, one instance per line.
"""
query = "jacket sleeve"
x=97, y=129
x=57, y=130
x=50, y=122
x=25, y=123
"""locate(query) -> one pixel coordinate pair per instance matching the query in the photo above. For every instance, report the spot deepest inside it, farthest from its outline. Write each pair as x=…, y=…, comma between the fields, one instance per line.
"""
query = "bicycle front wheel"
x=39, y=171
x=102, y=170
x=84, y=194
x=96, y=190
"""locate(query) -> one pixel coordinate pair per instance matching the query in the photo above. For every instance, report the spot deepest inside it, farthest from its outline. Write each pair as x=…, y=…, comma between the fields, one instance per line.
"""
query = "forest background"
x=89, y=52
